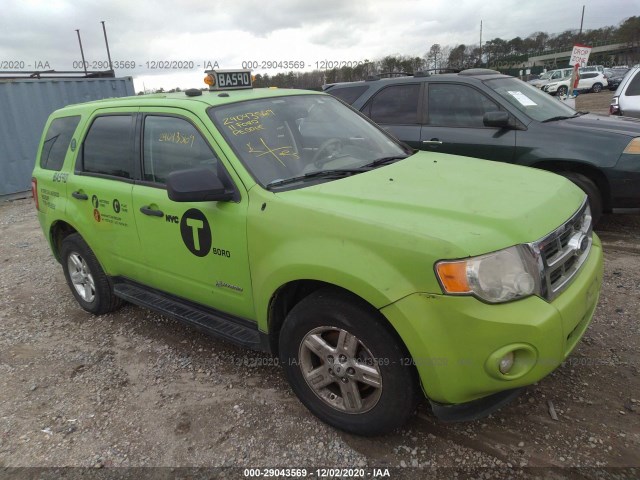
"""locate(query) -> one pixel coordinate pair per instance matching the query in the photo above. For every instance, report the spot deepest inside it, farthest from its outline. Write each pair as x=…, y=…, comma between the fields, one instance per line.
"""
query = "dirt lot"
x=135, y=389
x=595, y=102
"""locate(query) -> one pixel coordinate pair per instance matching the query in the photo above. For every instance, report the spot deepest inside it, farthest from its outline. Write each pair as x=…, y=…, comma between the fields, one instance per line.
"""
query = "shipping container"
x=25, y=105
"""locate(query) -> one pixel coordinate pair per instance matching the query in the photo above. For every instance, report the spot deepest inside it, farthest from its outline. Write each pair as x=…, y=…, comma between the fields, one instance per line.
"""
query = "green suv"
x=284, y=221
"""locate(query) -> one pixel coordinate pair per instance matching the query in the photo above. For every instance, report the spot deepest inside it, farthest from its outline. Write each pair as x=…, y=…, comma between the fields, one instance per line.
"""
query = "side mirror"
x=196, y=185
x=496, y=119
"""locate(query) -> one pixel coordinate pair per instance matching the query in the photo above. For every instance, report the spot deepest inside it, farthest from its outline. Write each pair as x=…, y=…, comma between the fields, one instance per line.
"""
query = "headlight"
x=496, y=277
x=633, y=147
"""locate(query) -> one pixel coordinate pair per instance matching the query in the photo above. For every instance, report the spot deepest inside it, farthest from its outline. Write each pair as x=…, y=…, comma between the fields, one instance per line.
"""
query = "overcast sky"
x=229, y=32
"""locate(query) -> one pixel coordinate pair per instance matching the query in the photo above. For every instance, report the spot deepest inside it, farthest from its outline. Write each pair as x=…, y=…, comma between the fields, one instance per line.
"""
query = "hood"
x=603, y=123
x=476, y=206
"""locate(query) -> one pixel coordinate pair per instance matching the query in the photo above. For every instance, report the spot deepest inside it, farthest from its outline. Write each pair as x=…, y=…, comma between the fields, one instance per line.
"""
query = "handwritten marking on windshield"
x=274, y=152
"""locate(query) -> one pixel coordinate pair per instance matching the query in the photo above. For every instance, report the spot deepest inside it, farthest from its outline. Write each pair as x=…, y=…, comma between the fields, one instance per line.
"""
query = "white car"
x=589, y=81
x=551, y=76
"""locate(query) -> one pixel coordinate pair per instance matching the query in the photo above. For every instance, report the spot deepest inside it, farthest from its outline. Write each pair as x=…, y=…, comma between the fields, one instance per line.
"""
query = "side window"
x=348, y=94
x=108, y=147
x=397, y=104
x=56, y=142
x=171, y=144
x=633, y=89
x=458, y=105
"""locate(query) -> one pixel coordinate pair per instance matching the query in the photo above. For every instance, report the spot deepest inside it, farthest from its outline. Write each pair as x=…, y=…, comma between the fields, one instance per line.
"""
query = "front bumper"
x=456, y=342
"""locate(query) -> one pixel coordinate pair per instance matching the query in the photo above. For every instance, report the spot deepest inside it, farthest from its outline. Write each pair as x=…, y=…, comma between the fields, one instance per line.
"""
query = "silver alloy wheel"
x=81, y=277
x=340, y=369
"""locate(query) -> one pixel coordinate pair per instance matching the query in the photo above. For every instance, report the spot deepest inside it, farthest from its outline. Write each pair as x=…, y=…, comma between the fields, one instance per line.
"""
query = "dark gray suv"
x=482, y=113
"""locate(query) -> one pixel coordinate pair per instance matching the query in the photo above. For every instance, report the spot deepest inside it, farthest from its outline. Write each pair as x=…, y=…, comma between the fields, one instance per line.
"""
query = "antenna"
x=104, y=30
x=84, y=64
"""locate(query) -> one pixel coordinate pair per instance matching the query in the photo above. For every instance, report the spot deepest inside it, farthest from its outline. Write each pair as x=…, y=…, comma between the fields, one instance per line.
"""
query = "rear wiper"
x=564, y=117
x=338, y=172
x=385, y=160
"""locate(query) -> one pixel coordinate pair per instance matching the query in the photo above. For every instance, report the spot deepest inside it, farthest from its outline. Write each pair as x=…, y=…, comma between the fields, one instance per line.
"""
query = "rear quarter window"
x=56, y=142
x=348, y=94
x=634, y=86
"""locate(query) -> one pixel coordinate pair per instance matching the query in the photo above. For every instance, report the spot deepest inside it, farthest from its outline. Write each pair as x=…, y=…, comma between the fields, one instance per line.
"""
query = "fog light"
x=506, y=363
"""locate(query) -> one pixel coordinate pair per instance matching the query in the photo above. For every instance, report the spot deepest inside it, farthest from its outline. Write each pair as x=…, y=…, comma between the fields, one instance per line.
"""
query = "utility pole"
x=480, y=42
x=581, y=22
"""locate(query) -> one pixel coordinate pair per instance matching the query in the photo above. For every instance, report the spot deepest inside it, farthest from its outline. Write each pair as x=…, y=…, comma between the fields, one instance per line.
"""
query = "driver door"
x=195, y=250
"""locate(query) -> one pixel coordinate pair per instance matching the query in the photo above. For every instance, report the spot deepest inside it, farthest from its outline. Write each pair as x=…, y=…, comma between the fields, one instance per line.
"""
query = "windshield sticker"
x=522, y=98
x=247, y=122
x=178, y=138
x=274, y=152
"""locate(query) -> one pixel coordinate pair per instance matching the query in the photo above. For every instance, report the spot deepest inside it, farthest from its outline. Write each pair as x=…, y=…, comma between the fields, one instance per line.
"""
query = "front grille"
x=561, y=253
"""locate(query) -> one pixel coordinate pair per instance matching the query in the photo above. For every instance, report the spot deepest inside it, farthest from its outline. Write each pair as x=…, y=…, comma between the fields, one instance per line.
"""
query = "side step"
x=218, y=324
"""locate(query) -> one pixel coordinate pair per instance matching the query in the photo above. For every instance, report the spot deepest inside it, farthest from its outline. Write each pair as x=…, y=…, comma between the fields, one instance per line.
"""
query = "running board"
x=213, y=322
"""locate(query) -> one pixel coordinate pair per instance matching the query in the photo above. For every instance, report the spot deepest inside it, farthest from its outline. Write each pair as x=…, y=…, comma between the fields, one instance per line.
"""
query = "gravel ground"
x=135, y=389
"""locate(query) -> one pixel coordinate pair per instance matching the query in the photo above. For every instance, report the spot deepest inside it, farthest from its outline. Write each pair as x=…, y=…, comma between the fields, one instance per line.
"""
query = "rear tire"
x=345, y=364
x=86, y=279
x=596, y=88
x=592, y=191
x=562, y=90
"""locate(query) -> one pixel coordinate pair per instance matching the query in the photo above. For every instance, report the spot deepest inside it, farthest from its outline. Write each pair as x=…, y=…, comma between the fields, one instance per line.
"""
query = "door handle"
x=433, y=141
x=80, y=196
x=151, y=212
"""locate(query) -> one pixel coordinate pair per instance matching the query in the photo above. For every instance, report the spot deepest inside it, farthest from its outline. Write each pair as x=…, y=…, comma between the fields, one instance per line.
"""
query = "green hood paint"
x=492, y=206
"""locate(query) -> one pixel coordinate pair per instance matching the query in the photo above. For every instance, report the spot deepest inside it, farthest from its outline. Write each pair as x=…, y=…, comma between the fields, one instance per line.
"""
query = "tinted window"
x=589, y=75
x=396, y=105
x=108, y=146
x=348, y=94
x=56, y=142
x=171, y=144
x=458, y=105
x=634, y=86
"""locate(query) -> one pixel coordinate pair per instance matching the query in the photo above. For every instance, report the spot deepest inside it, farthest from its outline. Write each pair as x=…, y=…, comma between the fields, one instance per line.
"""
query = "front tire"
x=86, y=279
x=345, y=364
x=592, y=191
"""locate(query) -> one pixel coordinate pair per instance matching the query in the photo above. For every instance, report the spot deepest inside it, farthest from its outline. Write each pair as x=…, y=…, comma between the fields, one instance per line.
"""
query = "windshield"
x=282, y=138
x=545, y=76
x=529, y=100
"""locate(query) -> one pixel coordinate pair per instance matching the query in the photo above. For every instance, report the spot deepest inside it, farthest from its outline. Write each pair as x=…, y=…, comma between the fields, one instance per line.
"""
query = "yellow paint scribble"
x=274, y=152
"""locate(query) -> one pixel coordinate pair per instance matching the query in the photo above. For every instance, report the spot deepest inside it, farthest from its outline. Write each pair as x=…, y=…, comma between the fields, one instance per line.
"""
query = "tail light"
x=614, y=108
x=34, y=191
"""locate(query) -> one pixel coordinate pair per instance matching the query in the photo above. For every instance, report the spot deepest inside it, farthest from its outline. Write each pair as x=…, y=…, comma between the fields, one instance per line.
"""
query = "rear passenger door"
x=454, y=124
x=397, y=109
x=99, y=191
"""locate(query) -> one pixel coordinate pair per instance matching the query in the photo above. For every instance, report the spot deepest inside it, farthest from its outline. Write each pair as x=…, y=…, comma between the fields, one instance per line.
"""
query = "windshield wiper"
x=564, y=117
x=385, y=160
x=337, y=173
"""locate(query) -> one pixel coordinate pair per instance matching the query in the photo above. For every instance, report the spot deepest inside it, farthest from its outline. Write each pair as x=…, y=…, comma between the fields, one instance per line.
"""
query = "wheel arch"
x=58, y=231
x=291, y=293
x=592, y=173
